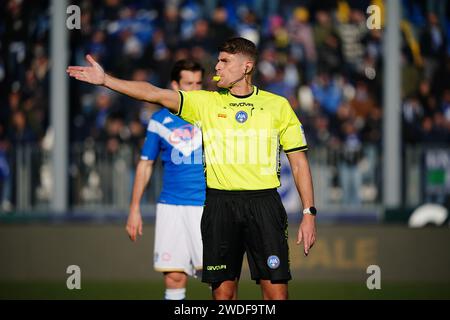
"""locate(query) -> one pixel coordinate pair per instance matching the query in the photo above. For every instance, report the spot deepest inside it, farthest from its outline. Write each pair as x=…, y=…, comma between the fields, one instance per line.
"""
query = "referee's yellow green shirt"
x=242, y=136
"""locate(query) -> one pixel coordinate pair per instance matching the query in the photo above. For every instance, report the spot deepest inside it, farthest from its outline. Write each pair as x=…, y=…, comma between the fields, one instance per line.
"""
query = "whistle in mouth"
x=216, y=78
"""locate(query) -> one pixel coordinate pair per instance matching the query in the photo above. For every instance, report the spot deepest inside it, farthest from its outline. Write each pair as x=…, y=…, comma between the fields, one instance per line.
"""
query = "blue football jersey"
x=180, y=144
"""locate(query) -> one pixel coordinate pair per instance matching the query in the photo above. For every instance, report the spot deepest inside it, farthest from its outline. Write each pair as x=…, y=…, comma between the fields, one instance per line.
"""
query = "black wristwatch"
x=311, y=210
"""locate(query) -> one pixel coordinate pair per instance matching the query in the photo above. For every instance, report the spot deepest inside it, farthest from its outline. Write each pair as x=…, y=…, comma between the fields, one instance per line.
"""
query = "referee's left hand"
x=307, y=233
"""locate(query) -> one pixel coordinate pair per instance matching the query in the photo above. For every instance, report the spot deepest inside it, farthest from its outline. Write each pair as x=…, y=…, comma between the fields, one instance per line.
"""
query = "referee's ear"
x=249, y=65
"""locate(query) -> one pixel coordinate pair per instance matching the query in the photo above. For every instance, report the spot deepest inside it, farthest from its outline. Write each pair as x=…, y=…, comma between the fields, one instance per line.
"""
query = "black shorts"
x=235, y=222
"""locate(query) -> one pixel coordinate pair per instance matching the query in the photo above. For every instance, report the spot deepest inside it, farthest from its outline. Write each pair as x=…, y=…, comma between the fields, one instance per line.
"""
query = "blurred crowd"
x=318, y=54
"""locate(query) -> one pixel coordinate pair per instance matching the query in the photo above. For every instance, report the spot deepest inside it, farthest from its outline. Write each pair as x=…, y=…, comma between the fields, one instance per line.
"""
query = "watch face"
x=313, y=210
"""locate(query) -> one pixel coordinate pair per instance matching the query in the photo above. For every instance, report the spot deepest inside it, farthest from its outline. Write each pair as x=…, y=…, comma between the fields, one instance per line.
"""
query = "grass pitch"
x=248, y=290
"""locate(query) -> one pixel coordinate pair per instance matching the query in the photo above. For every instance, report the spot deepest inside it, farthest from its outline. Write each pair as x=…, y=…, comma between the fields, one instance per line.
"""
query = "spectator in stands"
x=328, y=93
x=5, y=173
x=20, y=132
x=219, y=28
x=433, y=45
x=349, y=172
x=352, y=31
x=302, y=41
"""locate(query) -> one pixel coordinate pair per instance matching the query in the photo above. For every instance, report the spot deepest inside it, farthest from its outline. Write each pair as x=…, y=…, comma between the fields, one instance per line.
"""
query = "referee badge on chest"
x=241, y=116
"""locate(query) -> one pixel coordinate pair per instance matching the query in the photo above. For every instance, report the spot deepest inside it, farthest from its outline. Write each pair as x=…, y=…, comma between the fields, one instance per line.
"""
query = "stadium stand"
x=319, y=55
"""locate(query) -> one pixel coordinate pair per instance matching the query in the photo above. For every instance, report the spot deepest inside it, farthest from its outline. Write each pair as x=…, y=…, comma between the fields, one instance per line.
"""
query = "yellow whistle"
x=216, y=78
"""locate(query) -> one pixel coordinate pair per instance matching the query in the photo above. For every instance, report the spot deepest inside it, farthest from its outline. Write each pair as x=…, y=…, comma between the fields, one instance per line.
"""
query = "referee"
x=243, y=129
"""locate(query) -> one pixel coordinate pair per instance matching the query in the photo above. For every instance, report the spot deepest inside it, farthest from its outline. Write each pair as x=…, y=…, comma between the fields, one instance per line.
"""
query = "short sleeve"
x=152, y=142
x=193, y=104
x=292, y=135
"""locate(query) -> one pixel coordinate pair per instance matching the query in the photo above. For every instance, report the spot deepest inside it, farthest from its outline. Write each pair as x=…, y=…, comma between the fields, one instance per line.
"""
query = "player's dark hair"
x=184, y=65
x=240, y=45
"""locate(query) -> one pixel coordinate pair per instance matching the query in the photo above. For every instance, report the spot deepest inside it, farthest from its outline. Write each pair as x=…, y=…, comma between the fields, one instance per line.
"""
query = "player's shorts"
x=178, y=242
x=235, y=222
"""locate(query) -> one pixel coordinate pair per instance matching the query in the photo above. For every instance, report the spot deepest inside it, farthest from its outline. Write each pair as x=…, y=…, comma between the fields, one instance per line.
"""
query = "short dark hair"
x=240, y=45
x=184, y=65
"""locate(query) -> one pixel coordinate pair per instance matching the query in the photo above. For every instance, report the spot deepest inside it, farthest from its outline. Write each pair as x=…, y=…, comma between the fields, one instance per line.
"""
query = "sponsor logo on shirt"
x=240, y=104
x=183, y=134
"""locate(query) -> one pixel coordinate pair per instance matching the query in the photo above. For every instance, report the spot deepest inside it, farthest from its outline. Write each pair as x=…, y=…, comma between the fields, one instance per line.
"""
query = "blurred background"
x=369, y=80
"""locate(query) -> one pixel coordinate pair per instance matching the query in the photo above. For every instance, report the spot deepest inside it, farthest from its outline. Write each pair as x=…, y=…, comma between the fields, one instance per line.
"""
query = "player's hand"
x=93, y=74
x=134, y=224
x=307, y=233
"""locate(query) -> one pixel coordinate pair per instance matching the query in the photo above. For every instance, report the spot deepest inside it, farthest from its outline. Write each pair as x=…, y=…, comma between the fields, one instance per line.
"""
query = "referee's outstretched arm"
x=303, y=181
x=139, y=90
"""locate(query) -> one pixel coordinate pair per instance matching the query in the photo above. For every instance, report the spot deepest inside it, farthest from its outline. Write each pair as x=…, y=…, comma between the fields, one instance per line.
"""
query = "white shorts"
x=178, y=241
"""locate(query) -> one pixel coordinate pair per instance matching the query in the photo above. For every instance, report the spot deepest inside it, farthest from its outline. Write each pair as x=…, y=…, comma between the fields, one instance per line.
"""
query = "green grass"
x=153, y=290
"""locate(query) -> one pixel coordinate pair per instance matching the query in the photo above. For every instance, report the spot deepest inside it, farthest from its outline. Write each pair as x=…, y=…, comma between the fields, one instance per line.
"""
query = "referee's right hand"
x=93, y=74
x=134, y=224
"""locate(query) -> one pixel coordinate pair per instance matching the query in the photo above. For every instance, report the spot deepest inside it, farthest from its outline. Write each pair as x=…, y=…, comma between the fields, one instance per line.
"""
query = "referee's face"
x=230, y=67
